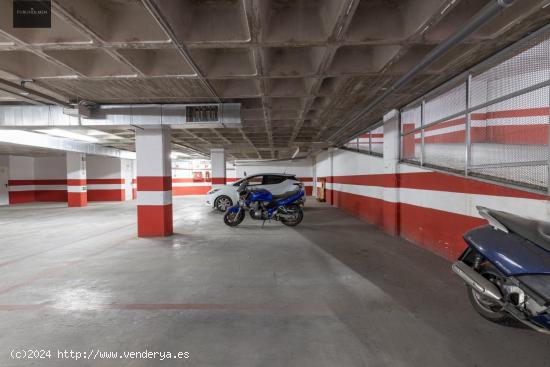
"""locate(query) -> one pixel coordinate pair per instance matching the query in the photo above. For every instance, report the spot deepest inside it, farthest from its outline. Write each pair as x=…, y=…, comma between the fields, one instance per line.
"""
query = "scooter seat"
x=535, y=231
x=285, y=195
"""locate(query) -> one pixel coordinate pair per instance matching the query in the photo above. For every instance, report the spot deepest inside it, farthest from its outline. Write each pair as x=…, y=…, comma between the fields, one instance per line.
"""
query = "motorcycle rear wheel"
x=299, y=215
x=233, y=219
x=486, y=307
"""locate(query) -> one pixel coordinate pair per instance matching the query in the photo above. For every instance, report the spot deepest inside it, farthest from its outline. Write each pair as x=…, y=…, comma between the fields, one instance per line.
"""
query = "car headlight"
x=213, y=191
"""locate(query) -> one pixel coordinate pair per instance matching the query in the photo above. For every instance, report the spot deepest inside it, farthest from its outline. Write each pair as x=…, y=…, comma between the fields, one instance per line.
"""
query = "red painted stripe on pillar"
x=77, y=199
x=309, y=190
x=218, y=180
x=154, y=183
x=154, y=220
x=76, y=182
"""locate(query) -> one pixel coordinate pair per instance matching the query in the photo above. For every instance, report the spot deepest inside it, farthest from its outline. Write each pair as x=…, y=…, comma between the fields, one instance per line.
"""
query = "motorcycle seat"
x=535, y=231
x=285, y=195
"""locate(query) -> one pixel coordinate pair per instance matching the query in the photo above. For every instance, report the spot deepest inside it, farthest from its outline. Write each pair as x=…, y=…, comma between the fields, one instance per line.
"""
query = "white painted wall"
x=50, y=168
x=103, y=167
x=127, y=169
x=21, y=168
x=4, y=177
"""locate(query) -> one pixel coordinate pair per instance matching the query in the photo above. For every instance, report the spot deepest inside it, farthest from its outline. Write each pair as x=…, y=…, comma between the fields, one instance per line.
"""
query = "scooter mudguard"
x=233, y=209
x=510, y=253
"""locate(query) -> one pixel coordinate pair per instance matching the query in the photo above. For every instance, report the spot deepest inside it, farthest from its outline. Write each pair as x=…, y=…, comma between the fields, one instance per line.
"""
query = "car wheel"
x=222, y=203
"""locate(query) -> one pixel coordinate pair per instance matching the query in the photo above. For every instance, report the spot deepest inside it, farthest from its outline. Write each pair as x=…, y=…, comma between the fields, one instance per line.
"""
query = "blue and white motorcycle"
x=262, y=205
x=506, y=268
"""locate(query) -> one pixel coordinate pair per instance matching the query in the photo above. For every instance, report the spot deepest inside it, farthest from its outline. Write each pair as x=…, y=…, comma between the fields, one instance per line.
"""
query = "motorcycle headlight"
x=213, y=191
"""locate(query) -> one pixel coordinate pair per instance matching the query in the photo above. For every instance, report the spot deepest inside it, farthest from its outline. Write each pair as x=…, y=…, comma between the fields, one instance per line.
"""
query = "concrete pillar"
x=77, y=193
x=154, y=182
x=217, y=157
x=391, y=167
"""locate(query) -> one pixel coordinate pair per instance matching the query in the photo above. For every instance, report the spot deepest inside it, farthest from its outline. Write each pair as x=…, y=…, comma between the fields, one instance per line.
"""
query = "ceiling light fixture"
x=69, y=135
x=23, y=84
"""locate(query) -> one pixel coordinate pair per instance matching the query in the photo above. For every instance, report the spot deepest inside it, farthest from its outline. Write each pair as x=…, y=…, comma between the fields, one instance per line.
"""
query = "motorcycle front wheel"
x=233, y=219
x=296, y=212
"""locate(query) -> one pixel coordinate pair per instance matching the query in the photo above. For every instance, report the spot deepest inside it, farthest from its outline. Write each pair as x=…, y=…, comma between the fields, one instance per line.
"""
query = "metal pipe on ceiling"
x=487, y=13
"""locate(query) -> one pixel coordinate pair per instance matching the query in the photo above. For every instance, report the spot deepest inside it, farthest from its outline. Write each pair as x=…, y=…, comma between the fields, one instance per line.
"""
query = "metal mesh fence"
x=377, y=140
x=446, y=104
x=444, y=144
x=370, y=142
x=509, y=140
x=492, y=123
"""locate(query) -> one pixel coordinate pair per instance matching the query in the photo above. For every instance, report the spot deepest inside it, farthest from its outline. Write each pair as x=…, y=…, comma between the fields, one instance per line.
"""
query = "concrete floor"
x=332, y=292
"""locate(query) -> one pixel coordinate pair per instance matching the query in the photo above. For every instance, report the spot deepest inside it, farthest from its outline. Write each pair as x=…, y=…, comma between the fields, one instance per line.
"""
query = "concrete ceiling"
x=300, y=68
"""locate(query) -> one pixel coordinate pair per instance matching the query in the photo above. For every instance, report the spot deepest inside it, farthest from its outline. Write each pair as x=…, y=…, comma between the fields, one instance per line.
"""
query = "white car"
x=224, y=197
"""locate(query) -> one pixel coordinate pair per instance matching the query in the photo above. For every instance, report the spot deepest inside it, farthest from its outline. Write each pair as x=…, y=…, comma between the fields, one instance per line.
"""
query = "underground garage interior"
x=274, y=183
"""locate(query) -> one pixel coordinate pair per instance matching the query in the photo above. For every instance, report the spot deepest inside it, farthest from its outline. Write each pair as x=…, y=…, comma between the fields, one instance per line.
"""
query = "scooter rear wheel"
x=233, y=219
x=486, y=307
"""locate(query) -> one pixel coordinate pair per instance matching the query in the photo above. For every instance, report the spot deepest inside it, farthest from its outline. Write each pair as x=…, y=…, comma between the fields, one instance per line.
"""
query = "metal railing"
x=370, y=142
x=491, y=121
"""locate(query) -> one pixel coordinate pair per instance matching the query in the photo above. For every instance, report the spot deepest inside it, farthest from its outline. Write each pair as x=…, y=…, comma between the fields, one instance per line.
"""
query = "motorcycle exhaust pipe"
x=476, y=281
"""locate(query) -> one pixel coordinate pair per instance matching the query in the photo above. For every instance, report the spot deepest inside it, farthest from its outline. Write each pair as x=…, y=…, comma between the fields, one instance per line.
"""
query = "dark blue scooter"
x=262, y=205
x=506, y=268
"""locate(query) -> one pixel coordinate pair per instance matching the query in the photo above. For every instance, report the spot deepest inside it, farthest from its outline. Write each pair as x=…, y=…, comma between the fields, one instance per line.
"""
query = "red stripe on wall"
x=385, y=180
x=218, y=180
x=434, y=181
x=154, y=183
x=305, y=179
x=524, y=112
x=370, y=209
x=105, y=181
x=106, y=195
x=183, y=180
x=442, y=182
x=449, y=123
x=190, y=190
x=19, y=197
x=51, y=195
x=438, y=231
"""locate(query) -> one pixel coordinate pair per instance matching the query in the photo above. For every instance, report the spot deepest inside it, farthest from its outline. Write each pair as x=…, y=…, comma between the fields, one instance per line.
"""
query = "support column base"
x=155, y=220
x=77, y=199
